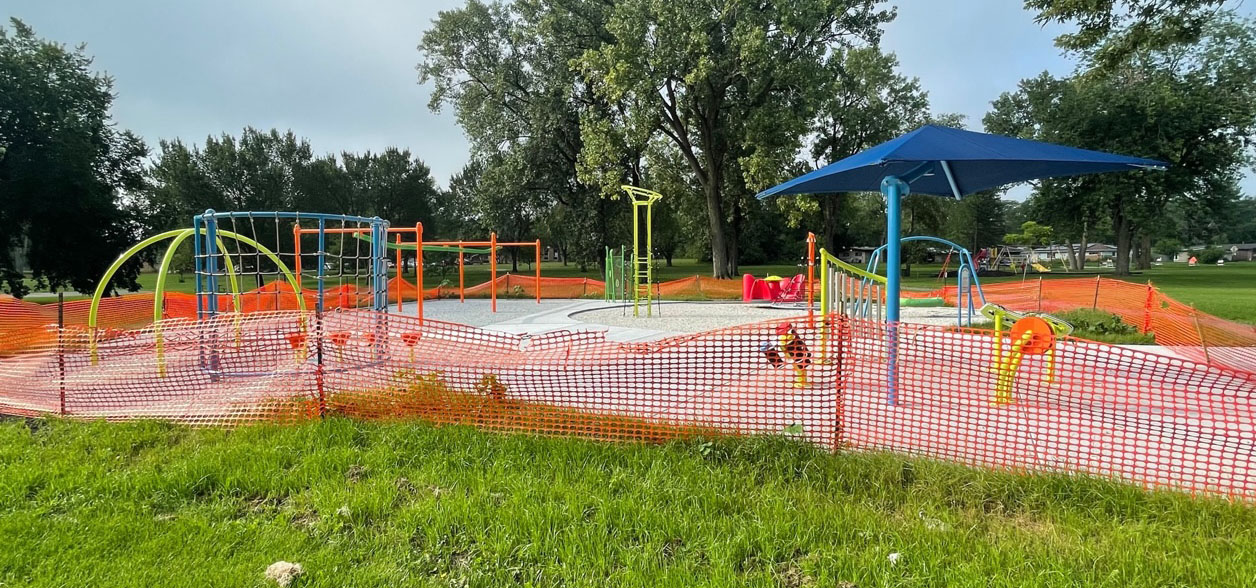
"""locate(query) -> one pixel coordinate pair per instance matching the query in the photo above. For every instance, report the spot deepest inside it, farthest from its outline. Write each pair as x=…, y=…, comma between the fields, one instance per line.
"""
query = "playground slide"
x=1038, y=267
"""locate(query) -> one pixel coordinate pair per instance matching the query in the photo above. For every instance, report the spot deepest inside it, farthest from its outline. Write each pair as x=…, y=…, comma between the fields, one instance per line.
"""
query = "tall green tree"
x=1110, y=31
x=865, y=101
x=1193, y=106
x=732, y=85
x=263, y=171
x=977, y=221
x=507, y=71
x=65, y=169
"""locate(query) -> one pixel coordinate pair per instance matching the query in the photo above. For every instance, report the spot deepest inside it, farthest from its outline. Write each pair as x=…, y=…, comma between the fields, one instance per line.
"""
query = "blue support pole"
x=894, y=190
x=211, y=263
x=379, y=248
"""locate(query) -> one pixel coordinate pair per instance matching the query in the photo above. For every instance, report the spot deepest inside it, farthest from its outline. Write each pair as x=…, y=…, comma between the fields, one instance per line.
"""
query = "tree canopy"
x=66, y=171
x=1193, y=106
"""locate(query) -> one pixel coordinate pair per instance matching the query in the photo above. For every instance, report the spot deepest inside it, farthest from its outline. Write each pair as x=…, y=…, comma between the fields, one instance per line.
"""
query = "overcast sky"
x=342, y=73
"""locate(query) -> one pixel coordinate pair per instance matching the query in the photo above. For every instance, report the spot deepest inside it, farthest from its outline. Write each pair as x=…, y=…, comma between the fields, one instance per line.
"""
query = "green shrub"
x=1210, y=255
x=1097, y=325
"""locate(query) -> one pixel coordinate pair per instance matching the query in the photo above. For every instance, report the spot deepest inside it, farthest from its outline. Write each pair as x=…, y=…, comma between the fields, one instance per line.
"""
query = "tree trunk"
x=715, y=218
x=1144, y=252
x=514, y=259
x=734, y=234
x=1079, y=263
x=1121, y=264
x=831, y=218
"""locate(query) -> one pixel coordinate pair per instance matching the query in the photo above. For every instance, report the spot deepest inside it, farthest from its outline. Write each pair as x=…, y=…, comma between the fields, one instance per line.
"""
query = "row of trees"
x=564, y=101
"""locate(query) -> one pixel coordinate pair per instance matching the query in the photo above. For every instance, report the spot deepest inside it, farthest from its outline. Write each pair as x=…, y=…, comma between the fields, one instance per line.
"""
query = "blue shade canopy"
x=962, y=162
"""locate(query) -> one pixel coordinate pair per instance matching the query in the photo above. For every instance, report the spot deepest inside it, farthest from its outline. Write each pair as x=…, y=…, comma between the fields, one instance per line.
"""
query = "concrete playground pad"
x=665, y=319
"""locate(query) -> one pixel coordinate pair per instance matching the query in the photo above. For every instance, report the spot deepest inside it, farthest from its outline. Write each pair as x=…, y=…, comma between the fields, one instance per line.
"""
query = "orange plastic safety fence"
x=1176, y=326
x=1084, y=407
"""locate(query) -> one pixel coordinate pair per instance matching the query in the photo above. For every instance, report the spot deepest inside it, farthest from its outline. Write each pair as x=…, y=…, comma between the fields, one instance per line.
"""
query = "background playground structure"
x=282, y=352
x=345, y=353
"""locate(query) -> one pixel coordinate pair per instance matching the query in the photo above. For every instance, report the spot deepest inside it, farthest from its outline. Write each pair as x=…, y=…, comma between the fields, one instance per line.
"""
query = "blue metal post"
x=379, y=247
x=211, y=262
x=894, y=190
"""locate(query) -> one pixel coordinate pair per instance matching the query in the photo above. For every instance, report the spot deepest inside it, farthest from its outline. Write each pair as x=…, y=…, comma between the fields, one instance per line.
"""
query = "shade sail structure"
x=947, y=162
x=962, y=161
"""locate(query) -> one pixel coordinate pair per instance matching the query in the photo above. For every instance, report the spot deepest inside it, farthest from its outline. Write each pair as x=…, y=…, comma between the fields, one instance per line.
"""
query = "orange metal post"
x=492, y=268
x=462, y=281
x=418, y=269
x=398, y=272
x=538, y=271
x=811, y=278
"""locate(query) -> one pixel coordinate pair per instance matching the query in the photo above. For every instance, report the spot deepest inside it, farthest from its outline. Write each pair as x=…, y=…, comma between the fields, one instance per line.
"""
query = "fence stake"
x=318, y=370
x=492, y=270
x=61, y=350
x=1039, y=293
x=1200, y=331
x=1151, y=293
x=1095, y=305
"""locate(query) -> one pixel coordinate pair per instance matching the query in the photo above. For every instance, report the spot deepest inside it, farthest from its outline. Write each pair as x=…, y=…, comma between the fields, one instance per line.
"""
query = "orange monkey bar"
x=417, y=230
x=492, y=244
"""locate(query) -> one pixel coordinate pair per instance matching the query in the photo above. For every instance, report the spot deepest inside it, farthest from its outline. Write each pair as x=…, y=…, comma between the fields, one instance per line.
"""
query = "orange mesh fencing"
x=1089, y=408
x=1176, y=326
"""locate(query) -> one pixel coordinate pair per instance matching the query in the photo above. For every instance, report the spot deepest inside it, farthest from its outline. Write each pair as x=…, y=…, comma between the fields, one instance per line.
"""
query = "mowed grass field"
x=1228, y=291
x=371, y=504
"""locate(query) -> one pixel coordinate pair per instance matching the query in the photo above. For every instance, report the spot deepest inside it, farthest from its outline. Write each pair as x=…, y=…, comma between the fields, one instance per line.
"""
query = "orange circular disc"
x=1042, y=338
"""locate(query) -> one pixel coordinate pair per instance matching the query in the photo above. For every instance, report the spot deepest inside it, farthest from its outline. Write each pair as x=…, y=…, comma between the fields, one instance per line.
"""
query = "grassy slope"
x=93, y=504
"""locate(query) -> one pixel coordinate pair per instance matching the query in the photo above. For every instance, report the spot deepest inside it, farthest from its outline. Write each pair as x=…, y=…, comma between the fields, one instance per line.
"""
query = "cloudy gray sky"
x=342, y=73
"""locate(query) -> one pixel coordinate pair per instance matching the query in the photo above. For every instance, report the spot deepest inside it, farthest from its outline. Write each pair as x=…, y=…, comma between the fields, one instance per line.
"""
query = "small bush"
x=1210, y=255
x=1097, y=325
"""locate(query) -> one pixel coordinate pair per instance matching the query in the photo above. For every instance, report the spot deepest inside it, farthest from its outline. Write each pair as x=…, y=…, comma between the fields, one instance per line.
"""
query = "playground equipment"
x=788, y=349
x=493, y=246
x=966, y=277
x=462, y=248
x=642, y=247
x=615, y=283
x=1031, y=334
x=846, y=290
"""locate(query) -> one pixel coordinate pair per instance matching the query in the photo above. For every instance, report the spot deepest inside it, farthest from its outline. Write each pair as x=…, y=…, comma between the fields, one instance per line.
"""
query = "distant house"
x=1100, y=251
x=1233, y=252
x=1239, y=251
x=856, y=255
x=1094, y=252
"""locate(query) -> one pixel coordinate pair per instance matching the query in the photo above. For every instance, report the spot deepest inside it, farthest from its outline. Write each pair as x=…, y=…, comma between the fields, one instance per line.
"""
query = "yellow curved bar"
x=1006, y=376
x=93, y=311
x=104, y=283
x=159, y=291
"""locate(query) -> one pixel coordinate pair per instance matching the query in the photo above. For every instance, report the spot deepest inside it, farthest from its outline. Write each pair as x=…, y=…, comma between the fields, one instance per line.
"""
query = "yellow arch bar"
x=179, y=235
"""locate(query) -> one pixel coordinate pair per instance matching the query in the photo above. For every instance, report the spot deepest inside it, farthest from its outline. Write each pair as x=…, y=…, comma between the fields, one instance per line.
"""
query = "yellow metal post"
x=642, y=261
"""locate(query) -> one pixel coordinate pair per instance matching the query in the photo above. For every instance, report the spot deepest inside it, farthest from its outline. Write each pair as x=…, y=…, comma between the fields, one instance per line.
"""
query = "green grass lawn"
x=369, y=504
